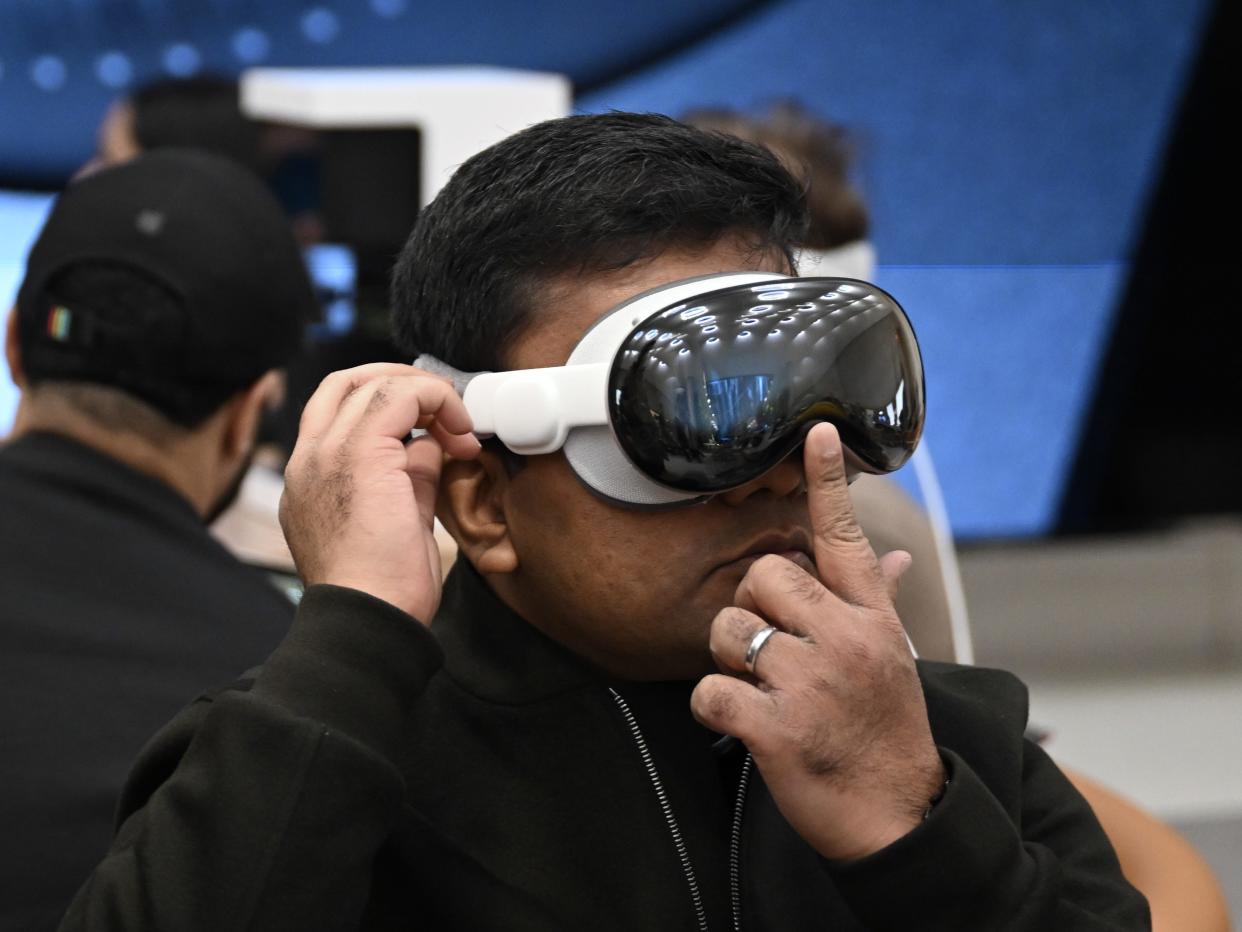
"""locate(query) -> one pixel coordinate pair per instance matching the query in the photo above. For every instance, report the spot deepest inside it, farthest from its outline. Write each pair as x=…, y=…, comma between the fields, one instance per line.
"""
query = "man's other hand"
x=359, y=498
x=833, y=712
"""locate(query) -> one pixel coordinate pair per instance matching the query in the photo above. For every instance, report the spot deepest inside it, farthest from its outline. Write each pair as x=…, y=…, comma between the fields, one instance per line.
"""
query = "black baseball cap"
x=208, y=231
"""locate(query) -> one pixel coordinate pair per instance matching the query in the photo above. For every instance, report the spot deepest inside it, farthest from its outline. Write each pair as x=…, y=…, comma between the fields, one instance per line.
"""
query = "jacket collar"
x=82, y=470
x=493, y=653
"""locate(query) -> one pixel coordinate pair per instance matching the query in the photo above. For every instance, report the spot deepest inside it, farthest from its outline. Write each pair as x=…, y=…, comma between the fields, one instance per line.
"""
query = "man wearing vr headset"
x=665, y=688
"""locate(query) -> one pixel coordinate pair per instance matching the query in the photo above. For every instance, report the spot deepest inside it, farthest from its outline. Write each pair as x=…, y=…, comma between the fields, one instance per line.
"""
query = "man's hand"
x=834, y=713
x=359, y=499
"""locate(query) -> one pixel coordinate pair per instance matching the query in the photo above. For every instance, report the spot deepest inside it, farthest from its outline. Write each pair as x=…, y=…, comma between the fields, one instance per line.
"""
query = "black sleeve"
x=970, y=867
x=264, y=809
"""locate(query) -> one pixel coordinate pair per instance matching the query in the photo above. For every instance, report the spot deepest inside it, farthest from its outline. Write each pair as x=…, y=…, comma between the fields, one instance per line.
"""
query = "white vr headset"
x=702, y=385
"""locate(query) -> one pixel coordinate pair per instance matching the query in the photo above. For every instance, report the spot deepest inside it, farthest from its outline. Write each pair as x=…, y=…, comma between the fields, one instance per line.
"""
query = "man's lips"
x=798, y=557
x=794, y=547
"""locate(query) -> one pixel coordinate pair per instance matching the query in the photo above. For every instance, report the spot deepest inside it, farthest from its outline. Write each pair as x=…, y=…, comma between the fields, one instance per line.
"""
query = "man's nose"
x=782, y=480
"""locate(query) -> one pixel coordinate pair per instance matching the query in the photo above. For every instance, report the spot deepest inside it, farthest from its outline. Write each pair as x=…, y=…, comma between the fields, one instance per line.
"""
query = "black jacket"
x=354, y=783
x=116, y=607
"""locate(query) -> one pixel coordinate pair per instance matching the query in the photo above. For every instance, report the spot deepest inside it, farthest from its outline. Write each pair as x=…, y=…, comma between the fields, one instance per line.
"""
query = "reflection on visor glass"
x=709, y=394
x=733, y=401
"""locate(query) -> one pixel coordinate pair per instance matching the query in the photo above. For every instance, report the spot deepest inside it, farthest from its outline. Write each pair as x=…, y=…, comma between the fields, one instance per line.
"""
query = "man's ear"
x=245, y=412
x=13, y=351
x=471, y=507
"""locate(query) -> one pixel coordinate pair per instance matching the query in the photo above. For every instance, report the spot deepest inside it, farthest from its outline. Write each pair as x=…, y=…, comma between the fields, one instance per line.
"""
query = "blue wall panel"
x=992, y=132
x=1010, y=355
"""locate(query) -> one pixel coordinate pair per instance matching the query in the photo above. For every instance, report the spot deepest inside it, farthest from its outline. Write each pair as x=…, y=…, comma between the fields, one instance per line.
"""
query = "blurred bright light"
x=251, y=45
x=389, y=9
x=48, y=72
x=114, y=69
x=182, y=59
x=320, y=25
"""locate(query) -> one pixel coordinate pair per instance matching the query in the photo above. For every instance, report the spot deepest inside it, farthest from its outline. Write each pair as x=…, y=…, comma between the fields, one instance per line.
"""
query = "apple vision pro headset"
x=703, y=385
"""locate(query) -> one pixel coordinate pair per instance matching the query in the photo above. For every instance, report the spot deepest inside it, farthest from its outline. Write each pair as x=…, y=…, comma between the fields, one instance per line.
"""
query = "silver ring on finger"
x=756, y=645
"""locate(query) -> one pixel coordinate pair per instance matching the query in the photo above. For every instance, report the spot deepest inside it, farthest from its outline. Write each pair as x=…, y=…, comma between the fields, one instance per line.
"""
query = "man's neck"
x=167, y=465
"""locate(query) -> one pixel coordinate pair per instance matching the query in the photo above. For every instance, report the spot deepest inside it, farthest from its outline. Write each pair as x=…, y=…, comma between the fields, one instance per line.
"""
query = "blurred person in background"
x=159, y=302
x=202, y=112
x=549, y=754
x=1184, y=894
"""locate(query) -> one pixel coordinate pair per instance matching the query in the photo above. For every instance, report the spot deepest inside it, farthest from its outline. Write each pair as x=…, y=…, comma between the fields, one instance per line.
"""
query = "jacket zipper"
x=735, y=845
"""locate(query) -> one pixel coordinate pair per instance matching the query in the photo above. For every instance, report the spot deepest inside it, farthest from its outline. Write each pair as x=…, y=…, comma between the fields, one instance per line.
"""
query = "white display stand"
x=458, y=111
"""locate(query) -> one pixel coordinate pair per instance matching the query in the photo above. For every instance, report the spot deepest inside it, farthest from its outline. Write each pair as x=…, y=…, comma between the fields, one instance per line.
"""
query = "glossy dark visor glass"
x=711, y=393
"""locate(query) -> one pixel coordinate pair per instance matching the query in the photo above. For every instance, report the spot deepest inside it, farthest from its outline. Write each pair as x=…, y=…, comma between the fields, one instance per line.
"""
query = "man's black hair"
x=202, y=112
x=577, y=195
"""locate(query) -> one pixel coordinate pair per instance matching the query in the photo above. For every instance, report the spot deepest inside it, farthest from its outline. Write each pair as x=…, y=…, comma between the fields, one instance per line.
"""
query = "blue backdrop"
x=1007, y=152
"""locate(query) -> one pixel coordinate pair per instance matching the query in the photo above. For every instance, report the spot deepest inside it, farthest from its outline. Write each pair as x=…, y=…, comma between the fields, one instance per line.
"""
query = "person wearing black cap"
x=158, y=305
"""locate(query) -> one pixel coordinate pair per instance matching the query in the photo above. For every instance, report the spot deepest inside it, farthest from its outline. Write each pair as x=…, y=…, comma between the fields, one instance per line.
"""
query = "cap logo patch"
x=58, y=321
x=149, y=222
